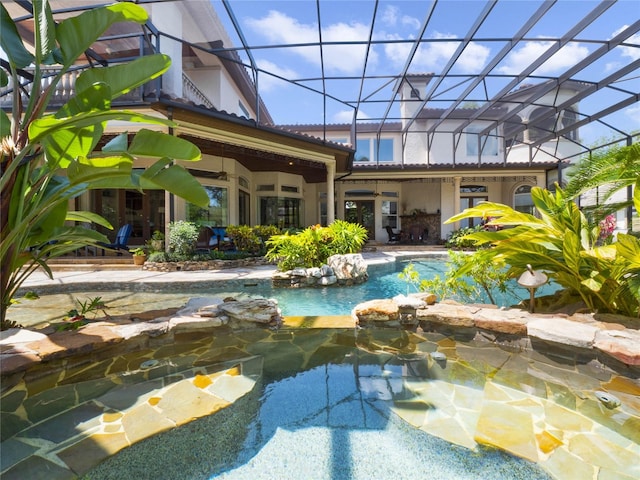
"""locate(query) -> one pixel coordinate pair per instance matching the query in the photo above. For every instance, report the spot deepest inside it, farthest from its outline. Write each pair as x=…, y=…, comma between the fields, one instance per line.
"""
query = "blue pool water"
x=328, y=408
x=383, y=282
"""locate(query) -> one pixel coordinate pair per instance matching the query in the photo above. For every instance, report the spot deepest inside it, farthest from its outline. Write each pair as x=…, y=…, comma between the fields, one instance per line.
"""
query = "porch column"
x=456, y=199
x=331, y=194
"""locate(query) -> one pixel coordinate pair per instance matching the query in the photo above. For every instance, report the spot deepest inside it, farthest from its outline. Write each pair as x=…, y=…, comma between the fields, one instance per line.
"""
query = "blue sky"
x=270, y=23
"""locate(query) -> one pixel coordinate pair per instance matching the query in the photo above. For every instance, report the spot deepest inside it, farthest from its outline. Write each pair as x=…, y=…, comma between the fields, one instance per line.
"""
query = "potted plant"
x=139, y=255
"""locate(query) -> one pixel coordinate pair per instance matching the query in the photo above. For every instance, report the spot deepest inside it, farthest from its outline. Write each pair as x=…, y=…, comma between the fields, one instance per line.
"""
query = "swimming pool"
x=383, y=283
x=330, y=404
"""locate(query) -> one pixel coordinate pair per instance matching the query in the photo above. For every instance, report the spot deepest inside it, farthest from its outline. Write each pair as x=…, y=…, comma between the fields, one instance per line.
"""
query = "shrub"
x=244, y=238
x=457, y=238
x=182, y=237
x=312, y=246
x=251, y=239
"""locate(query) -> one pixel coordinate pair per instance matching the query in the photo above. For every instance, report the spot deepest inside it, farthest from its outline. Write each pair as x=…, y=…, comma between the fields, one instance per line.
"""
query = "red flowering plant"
x=607, y=227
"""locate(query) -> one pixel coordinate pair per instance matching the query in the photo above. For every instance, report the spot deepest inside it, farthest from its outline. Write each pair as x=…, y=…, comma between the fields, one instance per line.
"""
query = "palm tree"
x=608, y=170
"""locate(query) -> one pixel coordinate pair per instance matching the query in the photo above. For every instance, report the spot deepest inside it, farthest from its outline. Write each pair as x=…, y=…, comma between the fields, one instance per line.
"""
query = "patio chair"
x=393, y=237
x=121, y=242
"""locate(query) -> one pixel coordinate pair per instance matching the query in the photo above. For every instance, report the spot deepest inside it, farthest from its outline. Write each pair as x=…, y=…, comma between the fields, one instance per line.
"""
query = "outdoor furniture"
x=121, y=242
x=393, y=237
x=221, y=240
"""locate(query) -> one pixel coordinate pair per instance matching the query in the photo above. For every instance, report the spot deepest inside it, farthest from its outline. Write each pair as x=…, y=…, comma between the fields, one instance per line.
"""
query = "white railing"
x=191, y=92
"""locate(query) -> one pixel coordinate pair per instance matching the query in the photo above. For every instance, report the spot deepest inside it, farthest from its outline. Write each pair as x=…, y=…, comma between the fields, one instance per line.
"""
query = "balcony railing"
x=191, y=92
x=65, y=89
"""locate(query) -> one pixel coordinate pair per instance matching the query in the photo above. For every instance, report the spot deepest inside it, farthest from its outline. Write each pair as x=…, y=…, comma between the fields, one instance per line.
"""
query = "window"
x=369, y=148
x=488, y=143
x=363, y=150
x=242, y=110
x=389, y=213
x=217, y=212
x=522, y=201
x=384, y=150
x=266, y=188
x=473, y=189
x=283, y=212
x=544, y=127
x=244, y=209
x=288, y=189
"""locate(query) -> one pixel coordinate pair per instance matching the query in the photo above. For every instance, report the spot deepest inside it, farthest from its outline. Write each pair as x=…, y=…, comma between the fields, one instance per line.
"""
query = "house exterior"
x=410, y=175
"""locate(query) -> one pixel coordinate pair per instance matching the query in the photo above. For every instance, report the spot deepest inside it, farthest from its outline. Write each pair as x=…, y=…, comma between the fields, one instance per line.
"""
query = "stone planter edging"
x=579, y=331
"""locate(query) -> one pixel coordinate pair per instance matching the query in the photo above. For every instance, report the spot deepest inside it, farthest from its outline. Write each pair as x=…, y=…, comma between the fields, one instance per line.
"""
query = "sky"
x=270, y=24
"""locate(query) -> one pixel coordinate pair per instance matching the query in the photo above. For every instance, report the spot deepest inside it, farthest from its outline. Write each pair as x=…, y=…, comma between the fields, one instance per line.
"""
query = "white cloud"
x=267, y=83
x=632, y=52
x=346, y=116
x=411, y=22
x=633, y=113
x=390, y=16
x=522, y=57
x=611, y=66
x=435, y=55
x=278, y=27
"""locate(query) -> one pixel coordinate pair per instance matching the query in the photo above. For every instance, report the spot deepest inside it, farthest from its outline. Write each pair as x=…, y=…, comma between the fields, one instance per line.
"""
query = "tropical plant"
x=183, y=236
x=563, y=243
x=609, y=170
x=470, y=277
x=314, y=245
x=48, y=159
x=74, y=319
x=410, y=276
x=244, y=238
x=457, y=238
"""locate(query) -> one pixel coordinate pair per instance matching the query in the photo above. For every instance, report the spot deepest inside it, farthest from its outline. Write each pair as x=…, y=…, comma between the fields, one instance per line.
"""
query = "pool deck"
x=117, y=270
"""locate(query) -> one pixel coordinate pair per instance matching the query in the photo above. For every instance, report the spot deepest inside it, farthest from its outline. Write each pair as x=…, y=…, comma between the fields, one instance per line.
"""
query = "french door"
x=362, y=212
x=145, y=211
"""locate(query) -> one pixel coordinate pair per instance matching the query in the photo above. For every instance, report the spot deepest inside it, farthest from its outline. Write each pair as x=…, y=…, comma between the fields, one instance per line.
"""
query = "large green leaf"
x=571, y=250
x=99, y=169
x=629, y=248
x=88, y=217
x=125, y=77
x=178, y=181
x=49, y=124
x=95, y=97
x=45, y=34
x=148, y=143
x=11, y=42
x=65, y=145
x=77, y=34
x=5, y=124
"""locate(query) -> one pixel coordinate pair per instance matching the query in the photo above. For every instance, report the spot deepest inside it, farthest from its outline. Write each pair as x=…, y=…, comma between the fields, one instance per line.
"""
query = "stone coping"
x=610, y=342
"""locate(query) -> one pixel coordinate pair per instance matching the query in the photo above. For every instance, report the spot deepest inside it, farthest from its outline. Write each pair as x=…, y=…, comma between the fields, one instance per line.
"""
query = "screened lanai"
x=342, y=61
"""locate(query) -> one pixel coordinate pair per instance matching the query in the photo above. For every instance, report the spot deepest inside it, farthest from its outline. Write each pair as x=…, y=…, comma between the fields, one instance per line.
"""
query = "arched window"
x=539, y=129
x=568, y=119
x=522, y=201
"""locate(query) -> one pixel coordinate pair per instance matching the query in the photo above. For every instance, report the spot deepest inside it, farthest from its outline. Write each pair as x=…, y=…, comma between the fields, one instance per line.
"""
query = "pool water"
x=331, y=404
x=383, y=282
